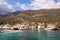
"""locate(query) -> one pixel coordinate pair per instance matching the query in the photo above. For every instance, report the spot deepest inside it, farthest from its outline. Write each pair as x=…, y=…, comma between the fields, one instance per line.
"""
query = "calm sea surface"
x=29, y=35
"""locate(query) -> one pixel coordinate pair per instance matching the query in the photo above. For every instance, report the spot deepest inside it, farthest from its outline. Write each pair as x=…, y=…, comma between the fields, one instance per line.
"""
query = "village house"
x=41, y=25
x=33, y=26
x=7, y=26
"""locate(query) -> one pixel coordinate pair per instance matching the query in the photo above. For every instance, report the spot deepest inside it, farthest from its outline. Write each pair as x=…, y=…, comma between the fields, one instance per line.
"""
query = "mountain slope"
x=43, y=15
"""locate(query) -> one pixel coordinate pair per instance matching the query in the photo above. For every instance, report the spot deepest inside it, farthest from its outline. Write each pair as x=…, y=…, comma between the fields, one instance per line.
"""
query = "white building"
x=22, y=26
x=1, y=26
x=33, y=26
x=16, y=25
x=41, y=26
x=6, y=26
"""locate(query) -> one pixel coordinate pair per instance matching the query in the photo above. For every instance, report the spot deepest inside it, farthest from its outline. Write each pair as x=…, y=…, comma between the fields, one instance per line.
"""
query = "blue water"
x=29, y=35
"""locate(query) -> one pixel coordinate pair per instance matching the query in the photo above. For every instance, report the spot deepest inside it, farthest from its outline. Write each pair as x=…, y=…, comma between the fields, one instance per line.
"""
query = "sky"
x=14, y=5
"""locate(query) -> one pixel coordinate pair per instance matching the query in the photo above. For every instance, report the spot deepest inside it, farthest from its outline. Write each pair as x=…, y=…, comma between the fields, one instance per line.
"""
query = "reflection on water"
x=29, y=35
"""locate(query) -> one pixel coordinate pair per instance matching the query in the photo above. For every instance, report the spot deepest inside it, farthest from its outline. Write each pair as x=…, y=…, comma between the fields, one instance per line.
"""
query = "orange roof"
x=15, y=24
x=33, y=24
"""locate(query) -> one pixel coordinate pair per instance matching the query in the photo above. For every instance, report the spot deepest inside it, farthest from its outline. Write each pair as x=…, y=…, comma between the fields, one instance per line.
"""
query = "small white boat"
x=51, y=27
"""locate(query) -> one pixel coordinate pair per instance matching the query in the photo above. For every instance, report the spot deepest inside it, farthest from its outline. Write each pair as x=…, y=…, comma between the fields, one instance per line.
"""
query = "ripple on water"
x=29, y=35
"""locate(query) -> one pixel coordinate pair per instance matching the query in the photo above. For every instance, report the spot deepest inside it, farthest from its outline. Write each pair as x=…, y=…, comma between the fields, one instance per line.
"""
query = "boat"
x=51, y=27
x=20, y=29
x=14, y=28
x=55, y=29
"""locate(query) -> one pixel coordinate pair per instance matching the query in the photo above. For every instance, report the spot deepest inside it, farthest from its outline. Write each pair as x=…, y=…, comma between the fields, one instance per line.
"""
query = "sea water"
x=29, y=35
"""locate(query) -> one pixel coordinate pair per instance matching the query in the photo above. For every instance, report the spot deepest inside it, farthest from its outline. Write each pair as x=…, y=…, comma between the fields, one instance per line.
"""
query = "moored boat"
x=51, y=27
x=14, y=28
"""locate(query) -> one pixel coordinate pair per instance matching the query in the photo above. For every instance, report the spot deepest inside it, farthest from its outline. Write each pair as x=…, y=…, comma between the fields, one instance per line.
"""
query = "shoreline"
x=12, y=28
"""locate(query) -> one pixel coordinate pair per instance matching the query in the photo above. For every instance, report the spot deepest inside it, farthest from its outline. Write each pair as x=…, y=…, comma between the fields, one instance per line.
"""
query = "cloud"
x=44, y=4
x=5, y=6
x=23, y=6
x=40, y=4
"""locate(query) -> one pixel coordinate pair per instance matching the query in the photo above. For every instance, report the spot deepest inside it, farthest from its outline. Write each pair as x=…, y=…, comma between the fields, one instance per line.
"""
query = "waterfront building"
x=16, y=25
x=41, y=26
x=7, y=25
x=33, y=26
x=1, y=26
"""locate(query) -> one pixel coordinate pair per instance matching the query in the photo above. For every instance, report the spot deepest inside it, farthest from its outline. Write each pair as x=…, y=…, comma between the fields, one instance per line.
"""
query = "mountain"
x=4, y=11
x=42, y=15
